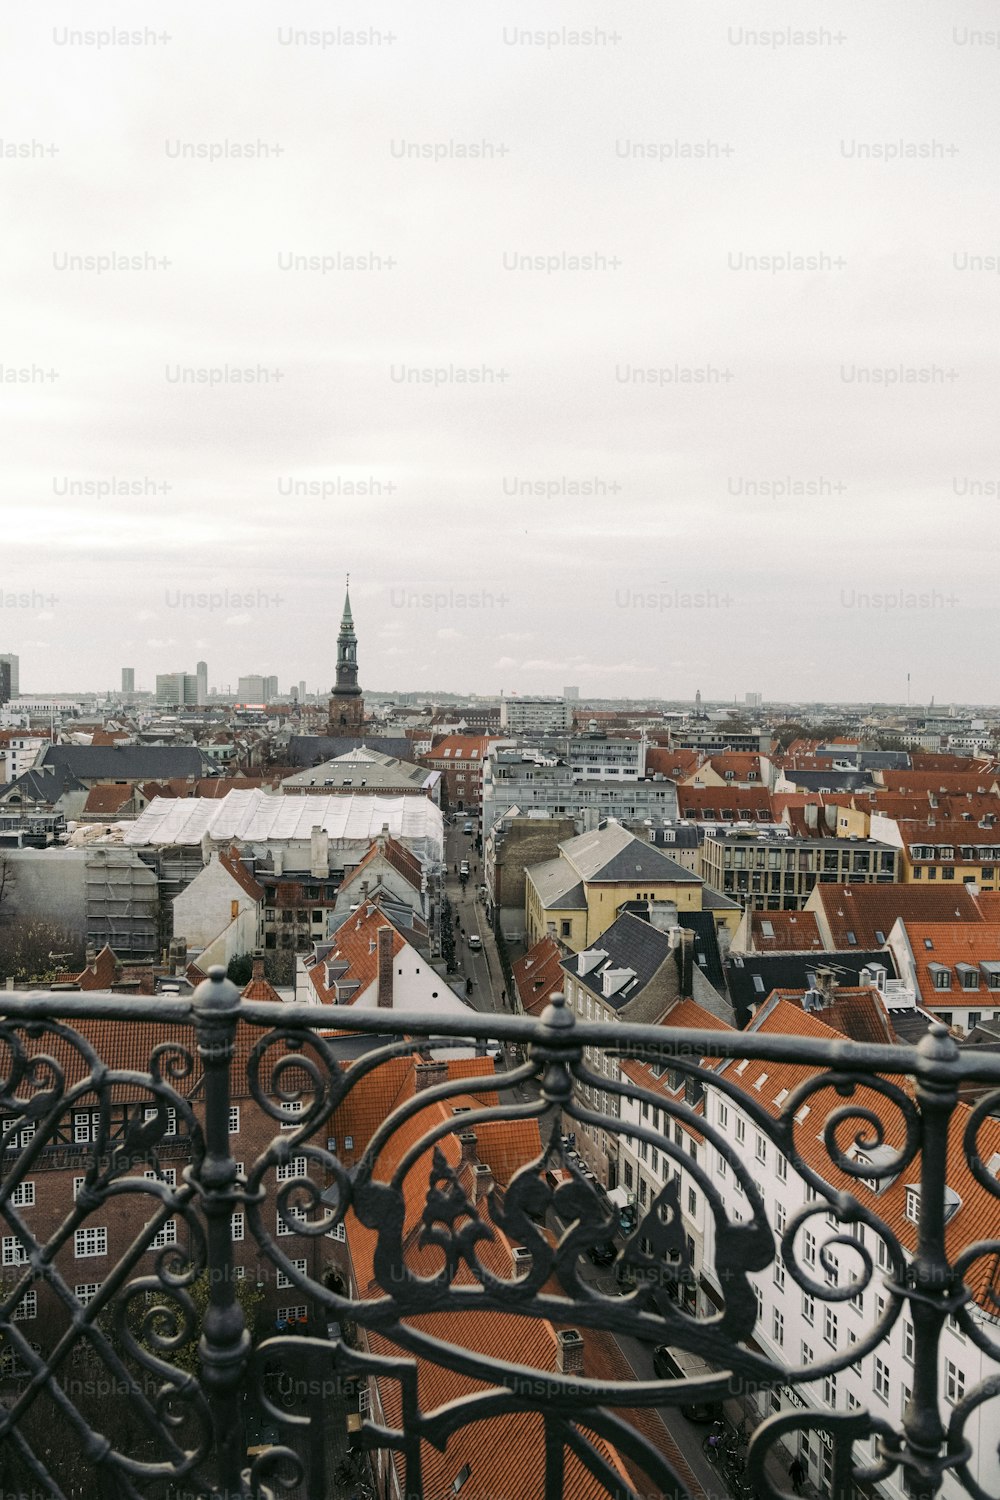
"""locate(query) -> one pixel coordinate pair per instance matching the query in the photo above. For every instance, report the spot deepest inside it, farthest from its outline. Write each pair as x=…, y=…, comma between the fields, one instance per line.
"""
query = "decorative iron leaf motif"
x=446, y=1205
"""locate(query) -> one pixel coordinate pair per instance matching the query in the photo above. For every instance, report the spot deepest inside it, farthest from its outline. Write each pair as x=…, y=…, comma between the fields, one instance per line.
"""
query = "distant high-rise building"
x=753, y=700
x=177, y=688
x=15, y=677
x=128, y=679
x=256, y=688
x=201, y=672
x=4, y=681
x=571, y=694
x=302, y=691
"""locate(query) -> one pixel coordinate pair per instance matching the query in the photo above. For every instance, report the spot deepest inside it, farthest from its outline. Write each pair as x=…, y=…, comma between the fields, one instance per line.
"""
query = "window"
x=779, y=1273
x=954, y=1383
x=78, y=1186
x=337, y=1233
x=913, y=1204
x=780, y=1217
x=692, y=1201
x=87, y=1242
x=761, y=1149
x=809, y=1248
x=285, y=1281
x=87, y=1292
x=23, y=1195
x=778, y=1328
x=26, y=1308
x=807, y=1355
x=297, y=1167
x=287, y=1314
x=171, y=1114
x=234, y=1119
x=236, y=1226
x=294, y=1216
x=86, y=1126
x=881, y=1379
x=781, y=1169
x=167, y=1235
x=808, y=1308
x=830, y=1326
x=294, y=1107
x=723, y=1116
x=741, y=1129
x=908, y=1341
x=830, y=1390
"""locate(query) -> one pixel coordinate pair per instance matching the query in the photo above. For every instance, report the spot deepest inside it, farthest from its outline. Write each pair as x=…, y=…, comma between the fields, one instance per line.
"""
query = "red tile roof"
x=952, y=943
x=868, y=910
x=854, y=1010
x=538, y=975
x=401, y=859
x=355, y=943
x=231, y=862
x=107, y=798
x=791, y=931
x=725, y=803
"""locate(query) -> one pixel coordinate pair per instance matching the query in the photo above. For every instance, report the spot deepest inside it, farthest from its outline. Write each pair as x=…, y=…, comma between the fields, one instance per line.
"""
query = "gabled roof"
x=107, y=800
x=397, y=855
x=945, y=945
x=855, y=1011
x=629, y=944
x=784, y=931
x=127, y=762
x=538, y=975
x=312, y=749
x=558, y=886
x=857, y=914
x=234, y=866
x=752, y=976
x=612, y=855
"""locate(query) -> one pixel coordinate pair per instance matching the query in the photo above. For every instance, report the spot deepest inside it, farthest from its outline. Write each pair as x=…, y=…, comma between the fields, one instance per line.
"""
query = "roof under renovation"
x=258, y=818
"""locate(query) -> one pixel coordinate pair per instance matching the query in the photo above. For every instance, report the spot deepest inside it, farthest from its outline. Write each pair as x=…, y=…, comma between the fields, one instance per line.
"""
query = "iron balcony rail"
x=173, y=1345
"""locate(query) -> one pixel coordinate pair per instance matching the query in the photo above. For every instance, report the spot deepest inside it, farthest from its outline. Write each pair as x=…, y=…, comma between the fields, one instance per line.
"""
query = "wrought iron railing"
x=159, y=1379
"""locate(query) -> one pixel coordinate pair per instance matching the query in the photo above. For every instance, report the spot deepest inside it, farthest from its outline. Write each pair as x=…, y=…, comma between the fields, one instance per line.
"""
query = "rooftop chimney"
x=522, y=1261
x=428, y=1074
x=385, y=935
x=319, y=853
x=482, y=1181
x=467, y=1140
x=569, y=1351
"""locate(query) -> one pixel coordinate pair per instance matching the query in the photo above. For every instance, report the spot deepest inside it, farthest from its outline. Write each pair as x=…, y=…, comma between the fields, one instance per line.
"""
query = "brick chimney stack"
x=385, y=935
x=428, y=1074
x=569, y=1351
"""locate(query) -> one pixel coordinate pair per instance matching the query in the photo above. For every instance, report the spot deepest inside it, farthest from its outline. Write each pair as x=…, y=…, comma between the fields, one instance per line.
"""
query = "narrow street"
x=483, y=966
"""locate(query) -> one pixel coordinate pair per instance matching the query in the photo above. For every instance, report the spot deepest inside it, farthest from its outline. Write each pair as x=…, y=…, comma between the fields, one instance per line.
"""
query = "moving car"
x=467, y=828
x=665, y=1367
x=463, y=868
x=475, y=941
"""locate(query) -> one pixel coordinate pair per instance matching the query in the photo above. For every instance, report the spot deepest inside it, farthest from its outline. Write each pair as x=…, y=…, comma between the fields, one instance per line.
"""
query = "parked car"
x=463, y=868
x=665, y=1367
x=467, y=828
x=475, y=941
x=603, y=1255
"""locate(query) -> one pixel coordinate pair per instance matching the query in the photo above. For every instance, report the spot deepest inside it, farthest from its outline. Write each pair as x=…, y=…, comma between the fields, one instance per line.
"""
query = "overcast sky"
x=675, y=144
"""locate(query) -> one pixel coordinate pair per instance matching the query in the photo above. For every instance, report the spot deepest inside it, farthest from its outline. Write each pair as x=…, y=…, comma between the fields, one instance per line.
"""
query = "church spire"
x=347, y=706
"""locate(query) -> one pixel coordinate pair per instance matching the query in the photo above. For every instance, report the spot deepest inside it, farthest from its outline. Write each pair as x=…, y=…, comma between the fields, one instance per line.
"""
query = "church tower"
x=347, y=706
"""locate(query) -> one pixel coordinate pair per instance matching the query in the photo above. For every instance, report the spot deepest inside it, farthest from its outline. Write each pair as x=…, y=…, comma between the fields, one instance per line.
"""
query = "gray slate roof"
x=128, y=762
x=790, y=971
x=557, y=885
x=612, y=854
x=45, y=785
x=630, y=943
x=311, y=749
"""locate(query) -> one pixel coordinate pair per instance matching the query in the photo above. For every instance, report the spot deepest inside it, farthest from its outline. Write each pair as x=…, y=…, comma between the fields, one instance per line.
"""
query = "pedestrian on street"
x=797, y=1473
